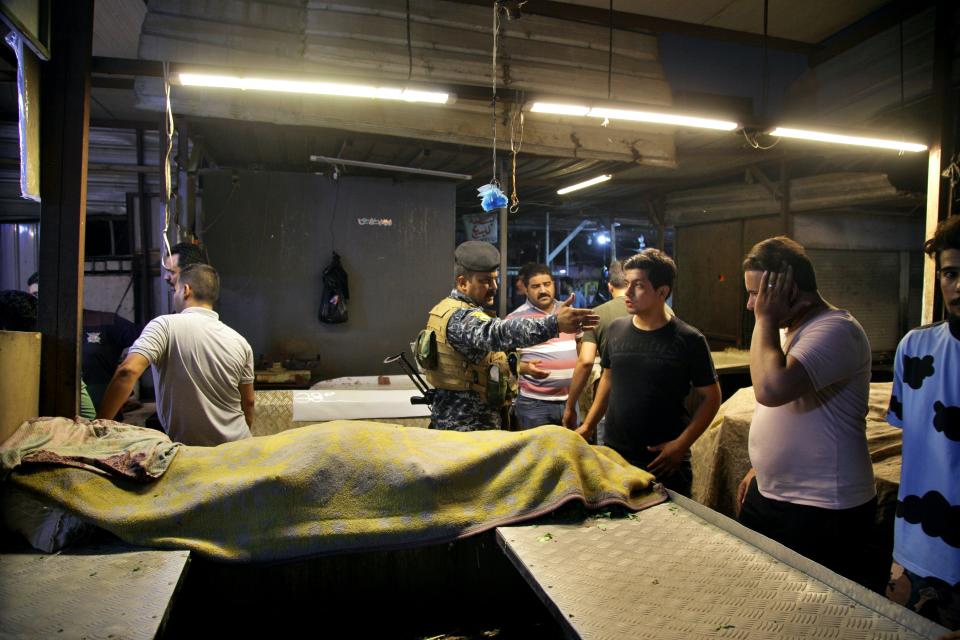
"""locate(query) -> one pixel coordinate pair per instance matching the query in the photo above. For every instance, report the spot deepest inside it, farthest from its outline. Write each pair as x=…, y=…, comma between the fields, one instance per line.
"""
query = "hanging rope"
x=167, y=186
x=493, y=86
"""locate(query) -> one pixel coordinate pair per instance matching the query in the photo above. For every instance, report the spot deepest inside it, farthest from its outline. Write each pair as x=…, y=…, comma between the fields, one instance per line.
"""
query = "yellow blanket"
x=346, y=486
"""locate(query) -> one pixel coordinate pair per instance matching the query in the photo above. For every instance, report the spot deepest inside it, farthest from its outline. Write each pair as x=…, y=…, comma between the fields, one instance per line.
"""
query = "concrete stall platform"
x=680, y=570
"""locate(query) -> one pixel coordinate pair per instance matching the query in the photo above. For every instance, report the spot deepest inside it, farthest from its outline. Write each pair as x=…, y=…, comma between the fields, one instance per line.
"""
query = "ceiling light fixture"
x=821, y=136
x=654, y=117
x=584, y=184
x=311, y=87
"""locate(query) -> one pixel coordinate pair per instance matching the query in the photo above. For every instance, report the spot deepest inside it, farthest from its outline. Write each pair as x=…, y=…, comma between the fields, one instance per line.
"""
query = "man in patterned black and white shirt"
x=925, y=403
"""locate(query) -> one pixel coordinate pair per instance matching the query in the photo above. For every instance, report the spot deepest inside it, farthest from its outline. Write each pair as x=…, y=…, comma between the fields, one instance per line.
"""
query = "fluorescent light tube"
x=317, y=88
x=584, y=184
x=821, y=136
x=559, y=109
x=635, y=116
x=663, y=118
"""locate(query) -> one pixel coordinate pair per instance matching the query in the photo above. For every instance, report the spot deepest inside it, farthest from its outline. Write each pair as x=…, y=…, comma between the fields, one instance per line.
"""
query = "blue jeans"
x=531, y=412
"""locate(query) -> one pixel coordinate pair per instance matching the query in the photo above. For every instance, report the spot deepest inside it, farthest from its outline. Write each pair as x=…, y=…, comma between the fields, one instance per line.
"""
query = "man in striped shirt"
x=547, y=368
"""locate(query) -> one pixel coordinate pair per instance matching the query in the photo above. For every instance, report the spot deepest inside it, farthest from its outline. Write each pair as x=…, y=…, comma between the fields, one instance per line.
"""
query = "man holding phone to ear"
x=811, y=487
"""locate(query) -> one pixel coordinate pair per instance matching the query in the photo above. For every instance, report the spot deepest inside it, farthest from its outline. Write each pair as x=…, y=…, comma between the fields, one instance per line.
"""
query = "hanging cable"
x=903, y=127
x=764, y=71
x=514, y=150
x=493, y=85
x=610, y=56
x=409, y=46
x=167, y=186
x=752, y=141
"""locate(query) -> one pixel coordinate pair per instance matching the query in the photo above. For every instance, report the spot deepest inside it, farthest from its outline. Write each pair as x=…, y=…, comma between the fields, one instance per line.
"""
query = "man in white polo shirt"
x=202, y=369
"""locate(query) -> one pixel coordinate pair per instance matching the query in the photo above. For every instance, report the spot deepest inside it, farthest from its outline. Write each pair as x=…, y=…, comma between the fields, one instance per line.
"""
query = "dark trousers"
x=836, y=538
x=531, y=412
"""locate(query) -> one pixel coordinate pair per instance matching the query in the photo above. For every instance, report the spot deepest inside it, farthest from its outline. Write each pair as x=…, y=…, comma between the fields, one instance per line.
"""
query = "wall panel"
x=271, y=234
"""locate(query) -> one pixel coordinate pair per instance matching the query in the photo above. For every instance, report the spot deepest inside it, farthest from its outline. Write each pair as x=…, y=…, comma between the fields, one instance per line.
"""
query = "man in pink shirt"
x=811, y=487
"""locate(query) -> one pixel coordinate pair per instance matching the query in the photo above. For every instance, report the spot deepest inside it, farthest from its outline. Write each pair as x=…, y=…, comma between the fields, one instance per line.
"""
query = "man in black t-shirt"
x=106, y=335
x=650, y=362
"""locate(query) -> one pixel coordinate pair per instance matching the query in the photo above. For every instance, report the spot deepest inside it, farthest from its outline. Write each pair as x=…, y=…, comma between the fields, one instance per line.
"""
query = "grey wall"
x=270, y=235
x=869, y=265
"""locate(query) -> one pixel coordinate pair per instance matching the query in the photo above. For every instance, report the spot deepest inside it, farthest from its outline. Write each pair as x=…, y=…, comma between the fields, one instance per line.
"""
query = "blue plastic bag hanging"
x=491, y=197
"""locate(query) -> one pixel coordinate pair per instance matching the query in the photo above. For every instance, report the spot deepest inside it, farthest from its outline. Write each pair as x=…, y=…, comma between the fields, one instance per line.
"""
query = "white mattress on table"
x=355, y=404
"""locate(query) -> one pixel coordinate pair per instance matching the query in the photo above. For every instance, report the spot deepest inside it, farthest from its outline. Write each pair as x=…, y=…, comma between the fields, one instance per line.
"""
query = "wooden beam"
x=65, y=113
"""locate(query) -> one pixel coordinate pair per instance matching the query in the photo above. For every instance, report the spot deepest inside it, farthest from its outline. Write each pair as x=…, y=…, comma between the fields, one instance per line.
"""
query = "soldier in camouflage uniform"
x=470, y=343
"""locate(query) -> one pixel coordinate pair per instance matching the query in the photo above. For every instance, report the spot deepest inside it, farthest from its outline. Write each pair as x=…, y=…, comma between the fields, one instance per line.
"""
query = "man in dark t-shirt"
x=650, y=362
x=106, y=335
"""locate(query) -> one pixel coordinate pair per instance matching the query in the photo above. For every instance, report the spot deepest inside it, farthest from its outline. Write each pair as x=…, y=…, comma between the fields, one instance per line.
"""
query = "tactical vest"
x=452, y=371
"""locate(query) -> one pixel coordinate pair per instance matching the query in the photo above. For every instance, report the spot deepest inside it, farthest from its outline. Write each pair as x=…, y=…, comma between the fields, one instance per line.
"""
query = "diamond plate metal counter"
x=106, y=590
x=680, y=570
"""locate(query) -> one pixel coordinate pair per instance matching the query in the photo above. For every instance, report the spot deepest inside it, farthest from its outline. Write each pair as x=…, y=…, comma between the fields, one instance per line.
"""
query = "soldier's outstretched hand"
x=572, y=320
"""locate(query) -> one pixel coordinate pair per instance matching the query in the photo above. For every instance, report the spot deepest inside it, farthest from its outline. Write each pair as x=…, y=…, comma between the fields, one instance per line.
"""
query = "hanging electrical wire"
x=409, y=46
x=752, y=141
x=491, y=196
x=610, y=56
x=751, y=136
x=764, y=71
x=167, y=182
x=901, y=114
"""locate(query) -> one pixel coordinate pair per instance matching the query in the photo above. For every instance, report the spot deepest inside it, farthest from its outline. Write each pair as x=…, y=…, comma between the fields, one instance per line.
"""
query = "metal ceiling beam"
x=637, y=22
x=570, y=236
x=882, y=20
x=391, y=167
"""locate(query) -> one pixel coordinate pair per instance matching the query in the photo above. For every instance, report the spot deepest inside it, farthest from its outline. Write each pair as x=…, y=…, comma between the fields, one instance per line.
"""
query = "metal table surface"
x=102, y=590
x=680, y=570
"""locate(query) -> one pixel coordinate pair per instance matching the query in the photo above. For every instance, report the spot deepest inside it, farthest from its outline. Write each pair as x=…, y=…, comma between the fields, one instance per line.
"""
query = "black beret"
x=475, y=255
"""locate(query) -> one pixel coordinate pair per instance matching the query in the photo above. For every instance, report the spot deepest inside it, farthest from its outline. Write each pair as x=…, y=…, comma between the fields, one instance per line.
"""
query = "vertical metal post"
x=502, y=237
x=146, y=224
x=546, y=253
x=186, y=183
x=785, y=215
x=131, y=206
x=613, y=241
x=64, y=130
x=904, y=311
